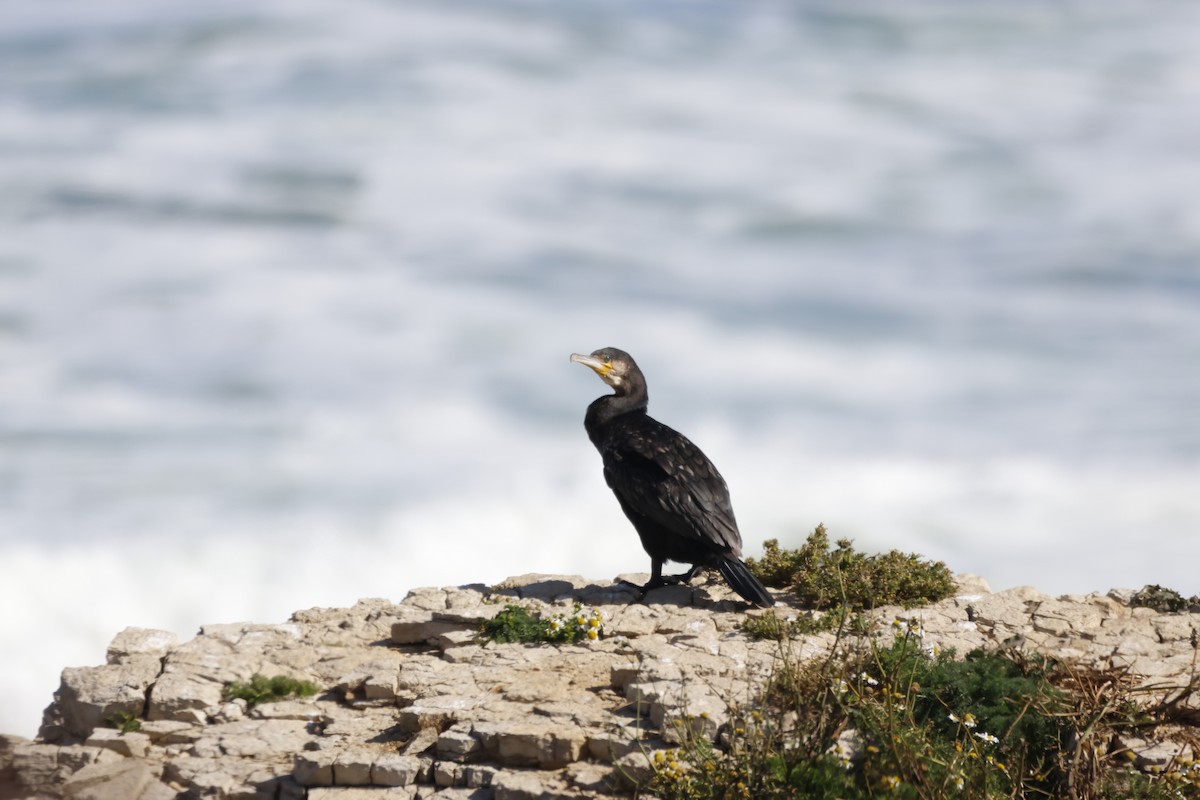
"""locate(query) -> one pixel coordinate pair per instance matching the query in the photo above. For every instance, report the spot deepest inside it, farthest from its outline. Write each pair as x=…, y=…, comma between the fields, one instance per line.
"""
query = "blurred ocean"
x=287, y=291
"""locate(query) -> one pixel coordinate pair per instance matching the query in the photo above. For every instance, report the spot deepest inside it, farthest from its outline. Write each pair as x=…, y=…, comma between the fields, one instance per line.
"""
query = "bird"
x=671, y=492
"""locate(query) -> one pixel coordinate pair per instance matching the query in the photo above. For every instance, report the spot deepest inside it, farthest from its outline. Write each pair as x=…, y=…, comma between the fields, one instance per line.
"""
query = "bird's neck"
x=606, y=408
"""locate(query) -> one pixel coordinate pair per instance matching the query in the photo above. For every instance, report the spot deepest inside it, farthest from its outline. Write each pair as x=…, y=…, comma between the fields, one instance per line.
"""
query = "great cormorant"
x=670, y=491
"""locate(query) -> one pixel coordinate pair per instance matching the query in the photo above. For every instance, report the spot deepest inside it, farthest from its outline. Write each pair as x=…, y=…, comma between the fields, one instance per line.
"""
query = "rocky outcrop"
x=414, y=706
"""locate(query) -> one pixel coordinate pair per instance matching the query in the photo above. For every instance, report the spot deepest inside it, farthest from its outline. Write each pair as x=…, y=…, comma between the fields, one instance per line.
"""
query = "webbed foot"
x=683, y=577
x=659, y=581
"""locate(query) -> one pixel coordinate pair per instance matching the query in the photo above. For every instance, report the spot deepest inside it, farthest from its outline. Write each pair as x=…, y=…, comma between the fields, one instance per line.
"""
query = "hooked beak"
x=601, y=367
x=596, y=364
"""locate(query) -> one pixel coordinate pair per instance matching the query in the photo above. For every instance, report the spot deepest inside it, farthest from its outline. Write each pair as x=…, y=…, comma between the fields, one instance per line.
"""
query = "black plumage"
x=670, y=491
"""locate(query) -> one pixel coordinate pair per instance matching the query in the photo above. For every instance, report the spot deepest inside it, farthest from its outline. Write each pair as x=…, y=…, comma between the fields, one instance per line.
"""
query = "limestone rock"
x=121, y=780
x=414, y=705
x=372, y=793
x=393, y=769
x=164, y=732
x=533, y=743
x=353, y=767
x=8, y=745
x=176, y=694
x=532, y=786
x=90, y=696
x=457, y=743
x=1155, y=755
x=633, y=768
x=314, y=769
x=135, y=642
x=417, y=627
x=125, y=744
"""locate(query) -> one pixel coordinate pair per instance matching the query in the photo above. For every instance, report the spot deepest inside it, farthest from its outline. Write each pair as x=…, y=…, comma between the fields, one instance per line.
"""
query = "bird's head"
x=615, y=367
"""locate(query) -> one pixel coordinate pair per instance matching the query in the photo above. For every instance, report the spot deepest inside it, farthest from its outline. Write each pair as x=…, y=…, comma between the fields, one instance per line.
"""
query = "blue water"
x=287, y=293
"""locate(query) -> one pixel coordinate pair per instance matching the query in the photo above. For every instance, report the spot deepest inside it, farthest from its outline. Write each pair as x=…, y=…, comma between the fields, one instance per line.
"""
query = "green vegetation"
x=517, y=624
x=125, y=722
x=261, y=689
x=1162, y=599
x=825, y=578
x=770, y=625
x=839, y=583
x=900, y=720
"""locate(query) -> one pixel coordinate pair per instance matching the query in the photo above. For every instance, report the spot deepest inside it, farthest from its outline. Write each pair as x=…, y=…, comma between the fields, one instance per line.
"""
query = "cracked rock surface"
x=414, y=706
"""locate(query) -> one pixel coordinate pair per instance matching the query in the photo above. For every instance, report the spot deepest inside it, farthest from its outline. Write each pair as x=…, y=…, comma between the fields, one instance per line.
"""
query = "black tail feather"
x=738, y=576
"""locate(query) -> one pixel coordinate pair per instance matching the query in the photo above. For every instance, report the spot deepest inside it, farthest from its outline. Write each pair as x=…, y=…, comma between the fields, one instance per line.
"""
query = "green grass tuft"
x=261, y=689
x=125, y=722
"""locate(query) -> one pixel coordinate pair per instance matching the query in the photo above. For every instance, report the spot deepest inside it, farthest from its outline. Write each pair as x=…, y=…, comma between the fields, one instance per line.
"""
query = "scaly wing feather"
x=662, y=476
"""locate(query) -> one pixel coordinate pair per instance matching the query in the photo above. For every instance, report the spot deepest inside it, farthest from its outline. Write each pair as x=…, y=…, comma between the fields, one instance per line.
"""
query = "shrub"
x=839, y=583
x=902, y=721
x=1162, y=599
x=829, y=578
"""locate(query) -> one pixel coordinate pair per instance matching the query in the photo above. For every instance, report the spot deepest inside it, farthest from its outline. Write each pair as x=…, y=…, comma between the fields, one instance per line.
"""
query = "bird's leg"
x=657, y=579
x=685, y=577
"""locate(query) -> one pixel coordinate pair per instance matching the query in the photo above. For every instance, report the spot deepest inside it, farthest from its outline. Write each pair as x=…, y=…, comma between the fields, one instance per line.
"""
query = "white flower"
x=987, y=737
